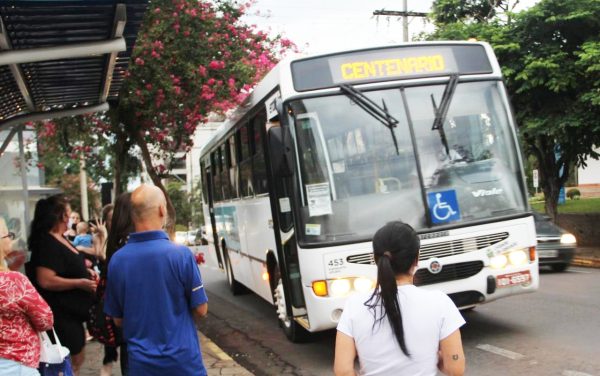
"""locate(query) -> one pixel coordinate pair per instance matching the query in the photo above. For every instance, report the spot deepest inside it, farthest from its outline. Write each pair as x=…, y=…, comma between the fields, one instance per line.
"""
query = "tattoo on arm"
x=455, y=357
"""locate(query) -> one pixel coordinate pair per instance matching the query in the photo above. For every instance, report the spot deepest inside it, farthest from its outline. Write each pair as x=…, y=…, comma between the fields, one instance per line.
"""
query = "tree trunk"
x=157, y=182
x=118, y=166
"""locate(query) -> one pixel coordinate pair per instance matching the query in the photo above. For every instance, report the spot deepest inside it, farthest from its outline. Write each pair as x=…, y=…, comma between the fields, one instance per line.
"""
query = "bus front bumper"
x=486, y=286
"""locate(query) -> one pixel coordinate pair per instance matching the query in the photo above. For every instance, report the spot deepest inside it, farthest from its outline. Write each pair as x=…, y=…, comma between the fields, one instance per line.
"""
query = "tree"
x=191, y=58
x=549, y=56
x=181, y=202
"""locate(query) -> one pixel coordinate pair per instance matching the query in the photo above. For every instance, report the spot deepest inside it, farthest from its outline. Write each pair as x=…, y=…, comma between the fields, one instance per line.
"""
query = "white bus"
x=329, y=148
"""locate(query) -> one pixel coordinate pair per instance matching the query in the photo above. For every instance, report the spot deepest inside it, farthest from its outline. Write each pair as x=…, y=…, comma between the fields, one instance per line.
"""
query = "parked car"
x=556, y=246
x=190, y=237
x=181, y=237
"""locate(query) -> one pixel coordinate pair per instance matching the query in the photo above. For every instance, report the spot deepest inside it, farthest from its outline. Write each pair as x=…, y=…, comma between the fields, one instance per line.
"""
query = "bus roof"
x=287, y=74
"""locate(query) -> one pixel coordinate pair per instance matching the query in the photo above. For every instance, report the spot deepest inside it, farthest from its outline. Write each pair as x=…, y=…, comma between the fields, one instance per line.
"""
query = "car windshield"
x=358, y=172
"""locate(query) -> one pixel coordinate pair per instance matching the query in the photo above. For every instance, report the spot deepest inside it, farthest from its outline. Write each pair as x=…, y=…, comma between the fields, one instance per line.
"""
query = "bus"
x=329, y=148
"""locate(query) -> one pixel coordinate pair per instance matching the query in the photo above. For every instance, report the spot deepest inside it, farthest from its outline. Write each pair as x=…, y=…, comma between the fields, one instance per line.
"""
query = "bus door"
x=209, y=187
x=281, y=168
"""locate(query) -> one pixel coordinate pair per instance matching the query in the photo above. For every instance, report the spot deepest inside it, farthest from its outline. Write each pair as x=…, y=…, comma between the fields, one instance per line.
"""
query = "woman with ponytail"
x=399, y=329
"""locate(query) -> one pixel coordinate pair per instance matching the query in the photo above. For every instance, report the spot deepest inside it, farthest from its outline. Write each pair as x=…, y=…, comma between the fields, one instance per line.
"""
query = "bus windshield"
x=358, y=172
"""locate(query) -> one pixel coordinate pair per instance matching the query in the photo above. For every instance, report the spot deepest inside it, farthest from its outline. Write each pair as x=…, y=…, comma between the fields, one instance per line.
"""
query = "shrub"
x=573, y=194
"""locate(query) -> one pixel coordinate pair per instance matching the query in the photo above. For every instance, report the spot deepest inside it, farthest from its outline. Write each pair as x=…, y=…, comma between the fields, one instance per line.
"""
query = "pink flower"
x=216, y=64
x=148, y=86
x=211, y=81
x=202, y=70
x=139, y=61
x=156, y=10
x=155, y=54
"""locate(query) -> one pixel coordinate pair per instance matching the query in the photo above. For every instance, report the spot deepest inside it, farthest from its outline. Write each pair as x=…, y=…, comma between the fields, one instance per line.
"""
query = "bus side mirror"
x=280, y=151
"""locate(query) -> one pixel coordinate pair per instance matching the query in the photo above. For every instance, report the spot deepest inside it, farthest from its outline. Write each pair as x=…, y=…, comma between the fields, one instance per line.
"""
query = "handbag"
x=54, y=357
x=101, y=326
x=52, y=353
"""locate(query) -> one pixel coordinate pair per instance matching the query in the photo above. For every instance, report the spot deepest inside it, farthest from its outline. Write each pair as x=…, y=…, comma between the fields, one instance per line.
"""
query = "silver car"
x=556, y=246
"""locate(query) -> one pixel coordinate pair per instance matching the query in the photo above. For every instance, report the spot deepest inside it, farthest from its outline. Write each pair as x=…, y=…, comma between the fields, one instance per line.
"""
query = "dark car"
x=556, y=246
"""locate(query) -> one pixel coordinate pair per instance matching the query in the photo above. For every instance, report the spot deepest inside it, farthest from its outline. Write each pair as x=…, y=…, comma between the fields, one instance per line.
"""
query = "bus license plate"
x=505, y=280
x=548, y=253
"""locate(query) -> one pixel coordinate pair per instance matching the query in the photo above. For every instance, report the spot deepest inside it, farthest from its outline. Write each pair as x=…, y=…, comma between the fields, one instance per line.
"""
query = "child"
x=83, y=238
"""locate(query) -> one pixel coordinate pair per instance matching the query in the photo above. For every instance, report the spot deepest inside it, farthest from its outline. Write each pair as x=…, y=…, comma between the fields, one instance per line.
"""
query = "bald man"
x=154, y=290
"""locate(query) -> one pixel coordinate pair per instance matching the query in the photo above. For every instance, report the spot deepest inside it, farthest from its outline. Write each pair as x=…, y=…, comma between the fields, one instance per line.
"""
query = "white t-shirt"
x=427, y=318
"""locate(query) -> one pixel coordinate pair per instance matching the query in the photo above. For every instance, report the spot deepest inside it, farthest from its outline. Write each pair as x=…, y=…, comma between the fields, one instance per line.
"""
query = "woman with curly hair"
x=58, y=271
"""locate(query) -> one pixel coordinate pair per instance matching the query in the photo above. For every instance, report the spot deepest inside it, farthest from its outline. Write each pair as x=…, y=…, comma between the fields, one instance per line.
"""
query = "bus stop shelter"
x=57, y=58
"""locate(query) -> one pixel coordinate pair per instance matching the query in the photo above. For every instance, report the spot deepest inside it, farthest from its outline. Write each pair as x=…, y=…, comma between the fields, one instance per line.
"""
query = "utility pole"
x=404, y=13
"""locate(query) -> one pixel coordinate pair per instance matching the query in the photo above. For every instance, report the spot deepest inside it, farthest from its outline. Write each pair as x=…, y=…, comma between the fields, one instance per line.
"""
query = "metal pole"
x=23, y=171
x=405, y=21
x=85, y=214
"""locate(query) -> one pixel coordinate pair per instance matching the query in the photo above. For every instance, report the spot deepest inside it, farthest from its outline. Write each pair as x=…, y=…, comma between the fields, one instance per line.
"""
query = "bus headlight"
x=568, y=239
x=518, y=258
x=340, y=287
x=362, y=284
x=498, y=261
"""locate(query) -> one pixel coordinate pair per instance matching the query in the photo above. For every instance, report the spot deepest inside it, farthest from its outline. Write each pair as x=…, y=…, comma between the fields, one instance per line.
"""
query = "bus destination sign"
x=398, y=63
x=391, y=63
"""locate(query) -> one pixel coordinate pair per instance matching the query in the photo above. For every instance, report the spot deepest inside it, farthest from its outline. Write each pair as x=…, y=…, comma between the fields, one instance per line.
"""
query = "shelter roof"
x=60, y=58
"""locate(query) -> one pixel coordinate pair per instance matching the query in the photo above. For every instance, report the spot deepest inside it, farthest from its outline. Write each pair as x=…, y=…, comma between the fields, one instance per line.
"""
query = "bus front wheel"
x=293, y=331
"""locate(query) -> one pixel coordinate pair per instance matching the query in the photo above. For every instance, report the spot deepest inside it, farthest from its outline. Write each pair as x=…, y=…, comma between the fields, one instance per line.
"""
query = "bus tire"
x=235, y=287
x=293, y=331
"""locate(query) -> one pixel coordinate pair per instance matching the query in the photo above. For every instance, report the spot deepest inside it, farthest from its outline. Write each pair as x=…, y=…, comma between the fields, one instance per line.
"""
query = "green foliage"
x=181, y=202
x=453, y=11
x=585, y=205
x=573, y=194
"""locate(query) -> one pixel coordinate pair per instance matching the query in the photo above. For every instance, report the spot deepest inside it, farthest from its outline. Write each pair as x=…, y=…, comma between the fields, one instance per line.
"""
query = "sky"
x=319, y=26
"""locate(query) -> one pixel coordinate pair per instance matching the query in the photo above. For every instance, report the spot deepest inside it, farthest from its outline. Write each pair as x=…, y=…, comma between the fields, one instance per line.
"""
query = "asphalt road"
x=555, y=331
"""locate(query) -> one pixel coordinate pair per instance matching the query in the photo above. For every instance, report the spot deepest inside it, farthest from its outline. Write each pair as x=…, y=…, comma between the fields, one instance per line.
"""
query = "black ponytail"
x=396, y=248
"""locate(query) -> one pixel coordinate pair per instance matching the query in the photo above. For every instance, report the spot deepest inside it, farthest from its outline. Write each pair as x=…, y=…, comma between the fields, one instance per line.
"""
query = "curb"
x=586, y=262
x=216, y=350
x=217, y=362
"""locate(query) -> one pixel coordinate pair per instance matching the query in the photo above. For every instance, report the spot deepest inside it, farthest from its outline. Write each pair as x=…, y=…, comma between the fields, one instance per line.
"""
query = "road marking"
x=578, y=271
x=575, y=373
x=500, y=351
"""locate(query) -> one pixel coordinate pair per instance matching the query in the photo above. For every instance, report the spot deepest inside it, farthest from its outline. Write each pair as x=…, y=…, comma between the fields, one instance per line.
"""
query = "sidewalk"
x=215, y=360
x=587, y=256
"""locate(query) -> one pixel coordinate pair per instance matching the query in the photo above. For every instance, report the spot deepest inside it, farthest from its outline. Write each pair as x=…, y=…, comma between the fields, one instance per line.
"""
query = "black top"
x=58, y=257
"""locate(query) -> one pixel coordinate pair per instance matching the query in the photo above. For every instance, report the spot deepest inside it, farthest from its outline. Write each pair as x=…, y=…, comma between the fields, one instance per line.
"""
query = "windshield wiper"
x=380, y=113
x=442, y=111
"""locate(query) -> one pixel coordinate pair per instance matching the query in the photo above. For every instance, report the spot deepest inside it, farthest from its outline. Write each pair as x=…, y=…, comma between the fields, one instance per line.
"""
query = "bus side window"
x=259, y=164
x=203, y=171
x=246, y=186
x=215, y=170
x=233, y=168
x=225, y=171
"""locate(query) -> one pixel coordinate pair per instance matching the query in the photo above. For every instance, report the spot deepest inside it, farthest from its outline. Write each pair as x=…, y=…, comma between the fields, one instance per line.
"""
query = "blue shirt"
x=84, y=240
x=153, y=284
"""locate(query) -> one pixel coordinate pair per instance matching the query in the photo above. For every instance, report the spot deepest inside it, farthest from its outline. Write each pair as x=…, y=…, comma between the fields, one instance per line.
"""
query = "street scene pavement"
x=215, y=360
x=549, y=332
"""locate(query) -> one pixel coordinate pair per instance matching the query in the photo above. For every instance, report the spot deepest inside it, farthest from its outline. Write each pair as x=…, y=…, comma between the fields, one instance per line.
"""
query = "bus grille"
x=459, y=246
x=442, y=249
x=450, y=272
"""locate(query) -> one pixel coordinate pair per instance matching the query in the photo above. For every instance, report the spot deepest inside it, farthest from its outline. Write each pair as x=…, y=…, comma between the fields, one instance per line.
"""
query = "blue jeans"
x=11, y=368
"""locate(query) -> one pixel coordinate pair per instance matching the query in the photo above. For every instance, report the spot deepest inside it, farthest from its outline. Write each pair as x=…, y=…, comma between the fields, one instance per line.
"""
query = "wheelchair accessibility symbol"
x=443, y=206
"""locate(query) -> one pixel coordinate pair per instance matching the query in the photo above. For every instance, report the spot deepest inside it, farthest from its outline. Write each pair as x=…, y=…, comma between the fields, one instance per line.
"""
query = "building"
x=588, y=178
